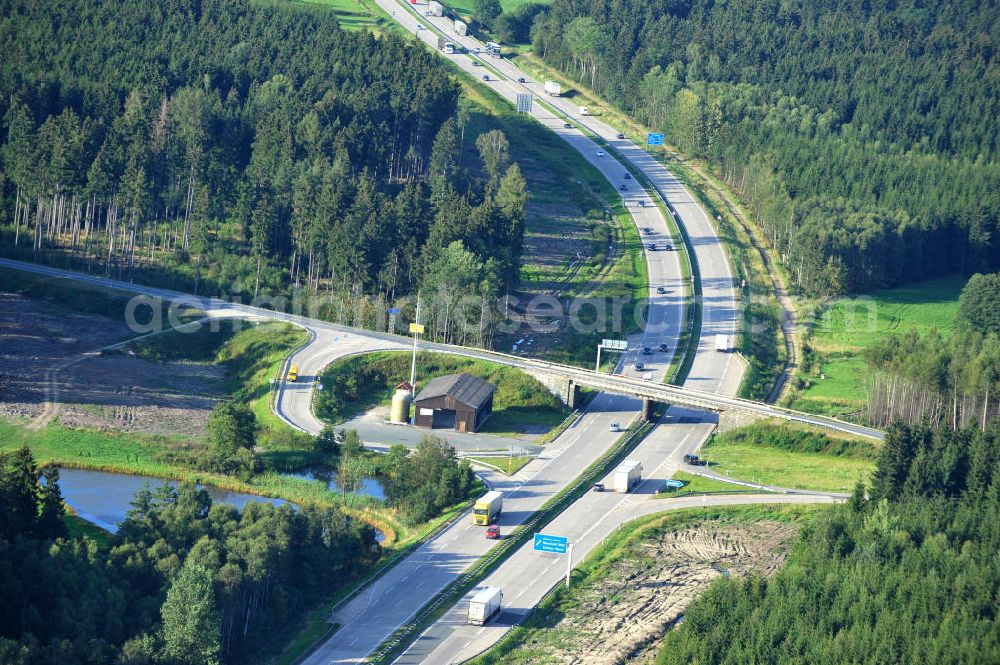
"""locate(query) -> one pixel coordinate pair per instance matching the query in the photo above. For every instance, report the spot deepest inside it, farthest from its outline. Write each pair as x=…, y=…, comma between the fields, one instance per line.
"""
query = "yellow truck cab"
x=293, y=373
x=487, y=507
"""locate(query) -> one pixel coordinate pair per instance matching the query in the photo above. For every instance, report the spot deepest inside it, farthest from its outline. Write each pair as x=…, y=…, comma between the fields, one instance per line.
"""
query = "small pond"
x=103, y=498
x=368, y=486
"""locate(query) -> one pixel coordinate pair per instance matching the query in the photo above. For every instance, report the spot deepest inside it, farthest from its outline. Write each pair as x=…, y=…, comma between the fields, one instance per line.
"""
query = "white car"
x=599, y=153
x=615, y=427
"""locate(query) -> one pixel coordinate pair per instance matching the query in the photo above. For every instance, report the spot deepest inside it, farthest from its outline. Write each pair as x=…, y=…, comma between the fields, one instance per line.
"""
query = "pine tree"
x=191, y=619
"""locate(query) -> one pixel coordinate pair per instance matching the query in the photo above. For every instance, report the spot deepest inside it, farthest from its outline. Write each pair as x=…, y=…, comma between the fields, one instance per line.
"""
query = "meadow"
x=833, y=378
x=792, y=456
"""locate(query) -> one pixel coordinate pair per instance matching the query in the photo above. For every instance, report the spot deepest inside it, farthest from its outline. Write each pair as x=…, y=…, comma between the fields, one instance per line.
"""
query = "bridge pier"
x=647, y=409
x=572, y=395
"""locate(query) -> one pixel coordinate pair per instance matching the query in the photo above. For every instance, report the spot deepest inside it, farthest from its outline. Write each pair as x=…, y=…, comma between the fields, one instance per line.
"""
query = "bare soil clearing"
x=622, y=616
x=48, y=369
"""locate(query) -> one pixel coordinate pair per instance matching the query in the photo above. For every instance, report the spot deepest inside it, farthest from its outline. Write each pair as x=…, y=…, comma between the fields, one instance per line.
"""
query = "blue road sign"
x=553, y=544
x=673, y=483
x=654, y=139
x=394, y=310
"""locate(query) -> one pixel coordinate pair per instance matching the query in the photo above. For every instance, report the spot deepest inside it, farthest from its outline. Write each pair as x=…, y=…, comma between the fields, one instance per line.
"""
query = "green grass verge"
x=508, y=465
x=77, y=527
x=537, y=638
x=698, y=485
x=791, y=456
x=833, y=371
x=356, y=384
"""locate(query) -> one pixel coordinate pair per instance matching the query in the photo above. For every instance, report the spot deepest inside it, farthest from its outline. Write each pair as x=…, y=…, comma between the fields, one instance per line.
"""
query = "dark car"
x=668, y=247
x=622, y=187
x=639, y=366
x=475, y=63
x=598, y=487
x=521, y=79
x=664, y=348
x=693, y=460
x=486, y=77
x=646, y=351
x=628, y=176
x=567, y=125
x=647, y=231
x=642, y=204
x=620, y=135
x=651, y=247
x=660, y=290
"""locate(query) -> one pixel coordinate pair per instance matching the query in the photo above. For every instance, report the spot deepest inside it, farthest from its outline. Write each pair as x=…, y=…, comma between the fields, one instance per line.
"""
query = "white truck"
x=484, y=605
x=723, y=343
x=584, y=110
x=461, y=28
x=435, y=9
x=552, y=88
x=628, y=475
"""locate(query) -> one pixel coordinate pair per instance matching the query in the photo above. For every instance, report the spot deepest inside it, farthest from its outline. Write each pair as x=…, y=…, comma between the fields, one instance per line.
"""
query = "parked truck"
x=487, y=507
x=460, y=28
x=484, y=605
x=552, y=88
x=628, y=475
x=435, y=9
x=723, y=343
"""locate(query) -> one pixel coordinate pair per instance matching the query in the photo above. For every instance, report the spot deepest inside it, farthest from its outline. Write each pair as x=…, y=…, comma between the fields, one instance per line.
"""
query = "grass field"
x=464, y=7
x=359, y=383
x=791, y=456
x=834, y=383
x=356, y=14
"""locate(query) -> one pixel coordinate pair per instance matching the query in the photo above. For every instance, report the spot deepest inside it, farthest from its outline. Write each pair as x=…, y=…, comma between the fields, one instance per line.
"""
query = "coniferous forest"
x=905, y=572
x=862, y=135
x=183, y=581
x=223, y=146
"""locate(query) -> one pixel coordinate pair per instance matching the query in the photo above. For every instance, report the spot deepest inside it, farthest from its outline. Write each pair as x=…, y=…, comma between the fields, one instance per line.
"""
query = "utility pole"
x=416, y=329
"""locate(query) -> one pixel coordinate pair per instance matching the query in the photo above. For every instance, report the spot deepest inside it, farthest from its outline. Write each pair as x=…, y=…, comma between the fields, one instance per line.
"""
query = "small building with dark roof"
x=457, y=401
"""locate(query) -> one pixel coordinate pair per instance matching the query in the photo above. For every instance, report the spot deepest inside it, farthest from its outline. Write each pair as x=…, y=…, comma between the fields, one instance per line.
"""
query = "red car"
x=493, y=532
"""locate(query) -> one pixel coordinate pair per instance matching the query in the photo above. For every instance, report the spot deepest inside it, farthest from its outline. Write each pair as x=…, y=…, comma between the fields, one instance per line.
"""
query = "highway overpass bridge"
x=565, y=380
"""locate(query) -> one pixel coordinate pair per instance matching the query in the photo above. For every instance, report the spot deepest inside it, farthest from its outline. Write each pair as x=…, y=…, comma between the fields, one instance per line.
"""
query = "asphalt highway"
x=374, y=614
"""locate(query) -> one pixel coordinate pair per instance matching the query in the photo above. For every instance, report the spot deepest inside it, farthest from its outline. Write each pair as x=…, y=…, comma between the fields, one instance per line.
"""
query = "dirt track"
x=621, y=617
x=119, y=392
